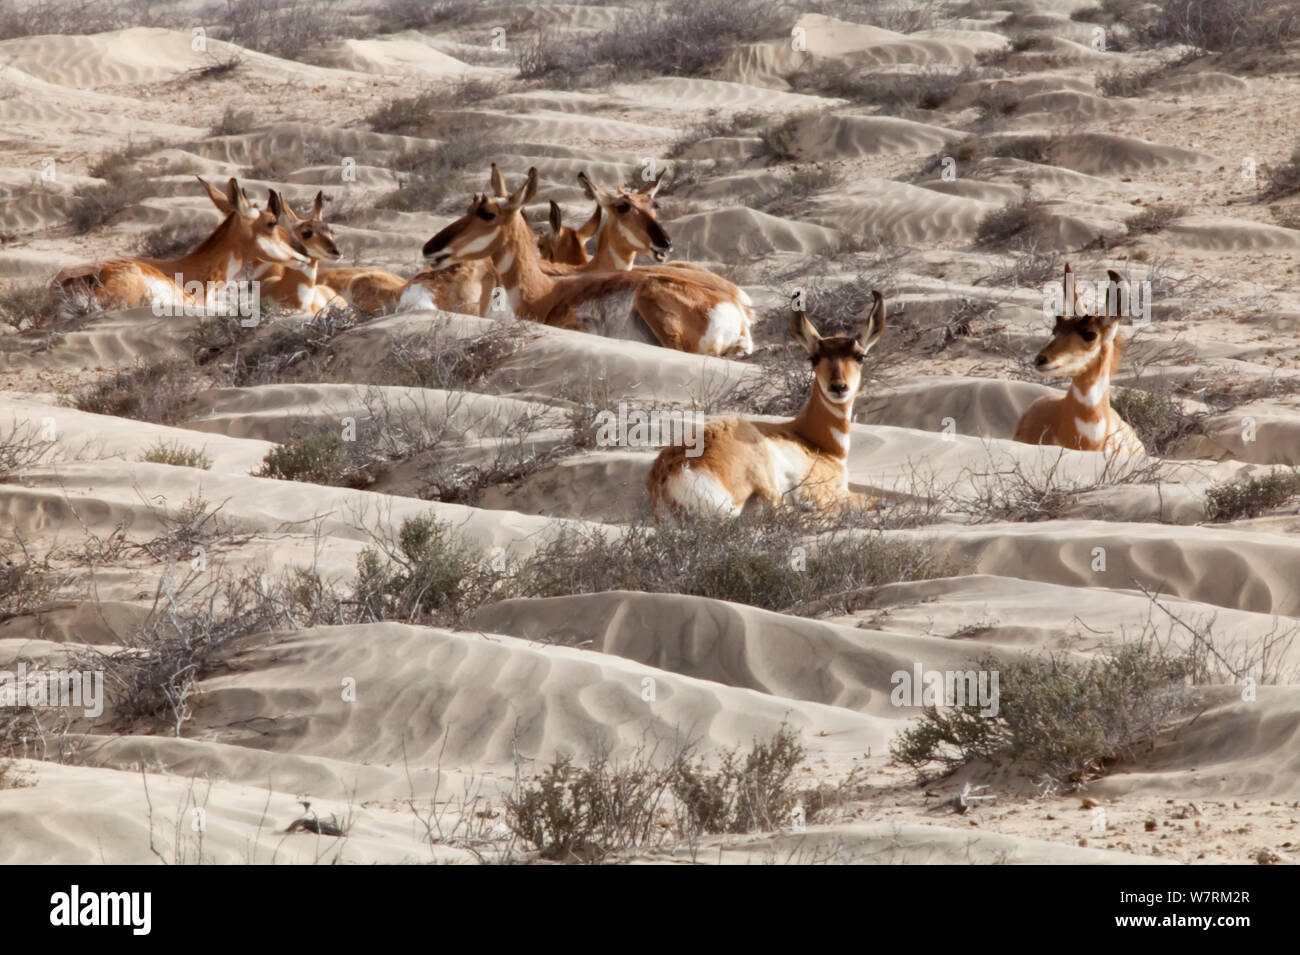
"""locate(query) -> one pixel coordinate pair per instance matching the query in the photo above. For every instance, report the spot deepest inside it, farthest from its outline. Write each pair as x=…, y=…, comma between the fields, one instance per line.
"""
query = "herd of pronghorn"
x=490, y=261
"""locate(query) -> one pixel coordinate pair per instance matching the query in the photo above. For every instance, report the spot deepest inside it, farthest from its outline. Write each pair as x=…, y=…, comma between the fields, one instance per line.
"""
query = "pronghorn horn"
x=587, y=185
x=498, y=182
x=874, y=326
x=318, y=206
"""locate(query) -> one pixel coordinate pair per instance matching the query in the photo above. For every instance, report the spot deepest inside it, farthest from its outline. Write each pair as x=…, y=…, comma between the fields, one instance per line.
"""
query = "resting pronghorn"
x=803, y=459
x=1087, y=350
x=294, y=286
x=374, y=291
x=677, y=311
x=246, y=236
x=565, y=245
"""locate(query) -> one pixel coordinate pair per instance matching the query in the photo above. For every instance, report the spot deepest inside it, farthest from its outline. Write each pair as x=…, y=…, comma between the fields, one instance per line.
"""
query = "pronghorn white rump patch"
x=726, y=328
x=1092, y=430
x=699, y=492
x=416, y=295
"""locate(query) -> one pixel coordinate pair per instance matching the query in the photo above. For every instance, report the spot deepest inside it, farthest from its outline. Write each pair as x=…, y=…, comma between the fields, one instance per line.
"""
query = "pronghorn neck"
x=613, y=251
x=1085, y=409
x=217, y=259
x=823, y=424
x=518, y=266
x=1089, y=393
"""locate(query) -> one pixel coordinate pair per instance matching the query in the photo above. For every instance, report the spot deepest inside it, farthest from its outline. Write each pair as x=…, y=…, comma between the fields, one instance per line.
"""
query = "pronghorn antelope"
x=1088, y=350
x=802, y=460
x=565, y=245
x=246, y=236
x=376, y=292
x=677, y=311
x=294, y=286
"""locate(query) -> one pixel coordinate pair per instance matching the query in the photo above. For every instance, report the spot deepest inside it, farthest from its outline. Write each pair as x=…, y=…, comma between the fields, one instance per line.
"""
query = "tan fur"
x=1066, y=420
x=127, y=283
x=675, y=309
x=741, y=457
x=376, y=292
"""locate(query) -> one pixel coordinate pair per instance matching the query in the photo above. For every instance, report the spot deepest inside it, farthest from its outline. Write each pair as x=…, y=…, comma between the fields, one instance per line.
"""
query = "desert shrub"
x=1154, y=218
x=156, y=391
x=438, y=359
x=31, y=306
x=891, y=92
x=96, y=203
x=177, y=455
x=777, y=561
x=234, y=121
x=1219, y=25
x=1058, y=717
x=173, y=241
x=1158, y=417
x=667, y=37
x=778, y=139
x=1025, y=219
x=586, y=812
x=746, y=792
x=441, y=178
x=283, y=28
x=411, y=114
x=26, y=582
x=1128, y=82
x=1029, y=148
x=1283, y=179
x=998, y=99
x=23, y=444
x=319, y=456
x=425, y=574
x=1251, y=496
x=276, y=349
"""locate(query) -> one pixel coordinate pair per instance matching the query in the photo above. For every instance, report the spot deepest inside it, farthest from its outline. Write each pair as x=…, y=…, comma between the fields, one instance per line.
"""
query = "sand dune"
x=804, y=157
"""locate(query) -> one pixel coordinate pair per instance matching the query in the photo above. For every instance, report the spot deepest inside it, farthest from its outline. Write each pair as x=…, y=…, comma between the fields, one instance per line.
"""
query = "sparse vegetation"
x=587, y=812
x=1158, y=417
x=1154, y=218
x=1026, y=219
x=1252, y=496
x=234, y=121
x=319, y=456
x=156, y=391
x=1283, y=179
x=1059, y=718
x=893, y=93
x=177, y=455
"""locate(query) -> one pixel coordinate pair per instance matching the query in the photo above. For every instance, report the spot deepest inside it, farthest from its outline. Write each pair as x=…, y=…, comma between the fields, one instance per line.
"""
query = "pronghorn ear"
x=591, y=226
x=524, y=194
x=650, y=188
x=218, y=197
x=557, y=221
x=874, y=326
x=275, y=204
x=497, y=182
x=1117, y=281
x=238, y=200
x=318, y=206
x=803, y=330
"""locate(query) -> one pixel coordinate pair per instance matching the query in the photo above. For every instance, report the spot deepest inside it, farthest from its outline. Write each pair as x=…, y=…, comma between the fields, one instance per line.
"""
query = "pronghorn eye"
x=859, y=358
x=484, y=215
x=1088, y=335
x=623, y=207
x=306, y=233
x=814, y=359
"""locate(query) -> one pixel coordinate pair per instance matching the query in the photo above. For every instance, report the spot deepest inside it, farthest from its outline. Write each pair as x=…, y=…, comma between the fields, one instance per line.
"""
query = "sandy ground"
x=441, y=717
